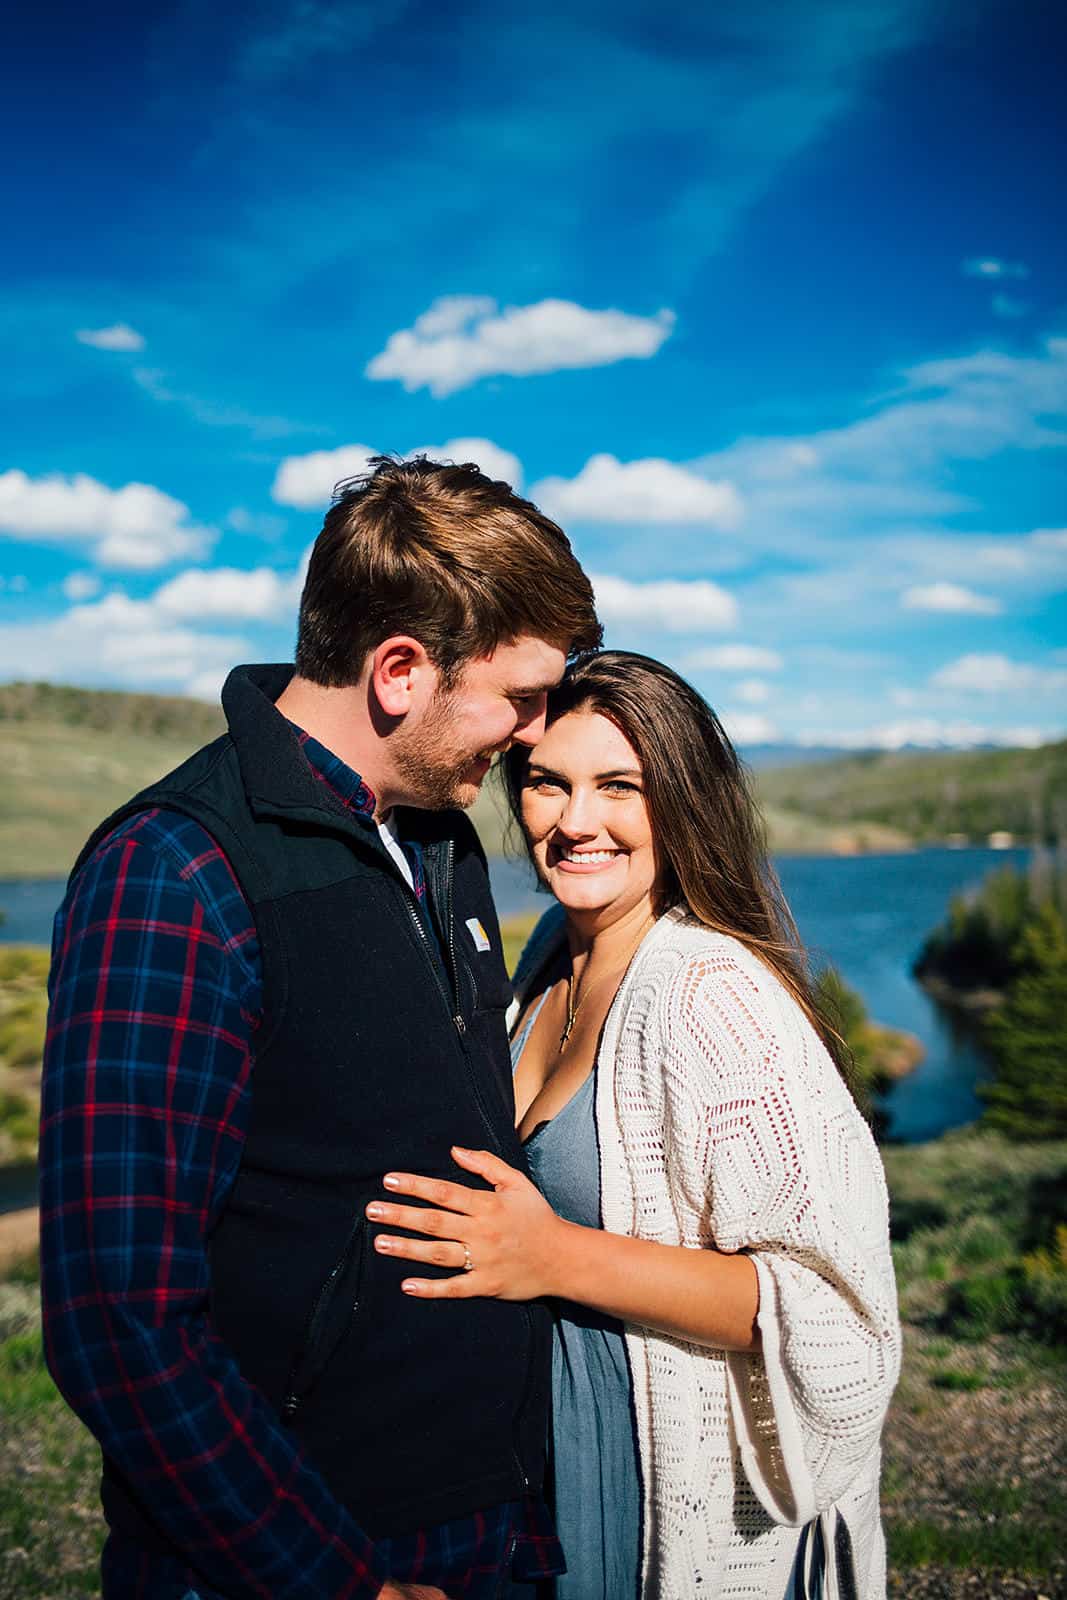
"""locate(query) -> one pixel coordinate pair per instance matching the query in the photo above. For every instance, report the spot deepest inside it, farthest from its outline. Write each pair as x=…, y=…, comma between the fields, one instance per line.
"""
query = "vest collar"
x=277, y=777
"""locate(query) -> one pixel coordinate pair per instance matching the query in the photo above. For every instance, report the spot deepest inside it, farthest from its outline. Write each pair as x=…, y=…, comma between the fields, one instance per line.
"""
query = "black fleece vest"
x=372, y=1054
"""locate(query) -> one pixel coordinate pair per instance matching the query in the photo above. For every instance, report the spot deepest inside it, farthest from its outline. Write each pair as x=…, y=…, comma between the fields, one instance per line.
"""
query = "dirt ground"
x=986, y=1469
x=18, y=1236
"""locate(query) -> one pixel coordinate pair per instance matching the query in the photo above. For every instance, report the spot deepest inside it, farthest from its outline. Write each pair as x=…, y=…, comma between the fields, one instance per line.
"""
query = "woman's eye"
x=618, y=787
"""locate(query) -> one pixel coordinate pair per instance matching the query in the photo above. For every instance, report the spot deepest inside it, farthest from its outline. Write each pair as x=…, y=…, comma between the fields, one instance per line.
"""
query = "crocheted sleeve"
x=781, y=1165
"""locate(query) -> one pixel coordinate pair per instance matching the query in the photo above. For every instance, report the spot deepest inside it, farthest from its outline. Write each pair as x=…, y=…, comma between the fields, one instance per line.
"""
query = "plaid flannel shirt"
x=155, y=998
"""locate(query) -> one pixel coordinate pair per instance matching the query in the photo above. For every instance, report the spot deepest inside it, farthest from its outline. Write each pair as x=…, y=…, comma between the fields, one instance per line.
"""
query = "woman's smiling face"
x=586, y=818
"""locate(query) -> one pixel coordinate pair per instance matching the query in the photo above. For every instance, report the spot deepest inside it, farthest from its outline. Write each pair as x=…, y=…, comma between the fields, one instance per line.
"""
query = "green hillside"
x=69, y=756
x=932, y=795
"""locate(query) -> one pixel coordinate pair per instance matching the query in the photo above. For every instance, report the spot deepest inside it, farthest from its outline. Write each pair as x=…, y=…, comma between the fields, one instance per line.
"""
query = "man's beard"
x=434, y=772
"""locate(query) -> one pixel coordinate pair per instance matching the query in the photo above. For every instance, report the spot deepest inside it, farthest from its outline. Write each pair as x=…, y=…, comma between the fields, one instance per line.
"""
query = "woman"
x=714, y=1217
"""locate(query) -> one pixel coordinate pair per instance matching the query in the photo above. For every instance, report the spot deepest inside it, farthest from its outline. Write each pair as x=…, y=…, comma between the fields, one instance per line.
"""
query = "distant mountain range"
x=69, y=756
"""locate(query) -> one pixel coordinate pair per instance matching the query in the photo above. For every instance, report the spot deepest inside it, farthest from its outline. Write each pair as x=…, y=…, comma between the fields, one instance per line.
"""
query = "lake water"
x=867, y=915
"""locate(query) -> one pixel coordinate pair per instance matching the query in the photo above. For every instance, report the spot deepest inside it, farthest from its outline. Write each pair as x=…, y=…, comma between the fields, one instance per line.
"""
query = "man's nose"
x=530, y=729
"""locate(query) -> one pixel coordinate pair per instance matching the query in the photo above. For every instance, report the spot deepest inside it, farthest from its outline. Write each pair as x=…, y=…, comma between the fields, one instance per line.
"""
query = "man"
x=277, y=974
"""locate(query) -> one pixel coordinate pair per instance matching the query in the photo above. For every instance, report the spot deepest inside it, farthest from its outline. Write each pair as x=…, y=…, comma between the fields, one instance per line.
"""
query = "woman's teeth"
x=592, y=857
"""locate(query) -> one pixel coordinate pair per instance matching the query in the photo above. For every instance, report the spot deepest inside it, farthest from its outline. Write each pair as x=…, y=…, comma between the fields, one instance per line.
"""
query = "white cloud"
x=493, y=461
x=670, y=605
x=950, y=597
x=732, y=658
x=120, y=336
x=260, y=595
x=993, y=267
x=81, y=585
x=647, y=491
x=137, y=527
x=893, y=468
x=998, y=674
x=450, y=313
x=213, y=415
x=999, y=558
x=257, y=524
x=748, y=727
x=117, y=640
x=207, y=685
x=753, y=691
x=1006, y=305
x=462, y=338
x=1050, y=538
x=309, y=481
x=929, y=733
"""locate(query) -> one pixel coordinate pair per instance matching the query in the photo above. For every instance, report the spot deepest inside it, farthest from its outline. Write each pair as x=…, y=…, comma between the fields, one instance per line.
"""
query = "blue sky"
x=766, y=302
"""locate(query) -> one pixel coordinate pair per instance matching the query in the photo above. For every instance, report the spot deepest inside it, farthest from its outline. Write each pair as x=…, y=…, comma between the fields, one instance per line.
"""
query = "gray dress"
x=597, y=1477
x=597, y=1481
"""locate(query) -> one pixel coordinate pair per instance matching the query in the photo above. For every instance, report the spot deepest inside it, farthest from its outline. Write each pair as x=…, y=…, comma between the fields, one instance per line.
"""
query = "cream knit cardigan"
x=723, y=1122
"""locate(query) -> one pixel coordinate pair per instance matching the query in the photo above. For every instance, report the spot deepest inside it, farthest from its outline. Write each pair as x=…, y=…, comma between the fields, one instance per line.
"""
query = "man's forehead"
x=527, y=664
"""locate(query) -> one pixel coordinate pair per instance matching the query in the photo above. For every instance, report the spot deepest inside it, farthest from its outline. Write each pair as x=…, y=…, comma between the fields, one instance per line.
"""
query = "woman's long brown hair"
x=708, y=834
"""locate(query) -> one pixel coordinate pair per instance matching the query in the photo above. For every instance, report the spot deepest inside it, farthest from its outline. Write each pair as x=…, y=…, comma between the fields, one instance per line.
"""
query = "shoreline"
x=971, y=1002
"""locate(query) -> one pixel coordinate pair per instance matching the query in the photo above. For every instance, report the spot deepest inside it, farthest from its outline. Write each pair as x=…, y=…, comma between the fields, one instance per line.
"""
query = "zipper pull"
x=461, y=1026
x=290, y=1407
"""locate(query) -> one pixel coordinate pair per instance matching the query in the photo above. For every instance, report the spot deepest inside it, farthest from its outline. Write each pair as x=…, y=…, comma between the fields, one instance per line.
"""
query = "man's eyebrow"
x=526, y=693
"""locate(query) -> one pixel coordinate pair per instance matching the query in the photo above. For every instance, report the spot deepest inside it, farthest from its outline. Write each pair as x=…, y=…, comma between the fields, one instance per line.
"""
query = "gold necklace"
x=572, y=1009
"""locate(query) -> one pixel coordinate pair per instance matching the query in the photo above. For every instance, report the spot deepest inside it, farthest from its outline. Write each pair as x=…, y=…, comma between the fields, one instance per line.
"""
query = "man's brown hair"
x=443, y=553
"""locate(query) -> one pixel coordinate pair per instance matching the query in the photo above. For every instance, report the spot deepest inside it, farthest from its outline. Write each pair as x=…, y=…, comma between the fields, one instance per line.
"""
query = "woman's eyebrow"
x=599, y=777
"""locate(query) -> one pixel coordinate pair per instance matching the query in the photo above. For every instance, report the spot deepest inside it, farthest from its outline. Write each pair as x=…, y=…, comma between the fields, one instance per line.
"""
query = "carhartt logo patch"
x=478, y=934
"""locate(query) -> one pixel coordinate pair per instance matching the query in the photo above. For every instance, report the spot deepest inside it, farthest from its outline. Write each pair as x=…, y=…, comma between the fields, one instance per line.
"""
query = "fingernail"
x=410, y=1286
x=375, y=1211
x=382, y=1243
x=391, y=1181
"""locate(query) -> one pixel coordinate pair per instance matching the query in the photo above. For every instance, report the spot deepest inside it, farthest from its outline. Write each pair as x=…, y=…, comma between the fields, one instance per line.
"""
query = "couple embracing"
x=357, y=1299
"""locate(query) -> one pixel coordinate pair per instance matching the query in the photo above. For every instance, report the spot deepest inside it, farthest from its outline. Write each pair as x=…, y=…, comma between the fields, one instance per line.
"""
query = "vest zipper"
x=457, y=1021
x=304, y=1363
x=453, y=1002
x=449, y=922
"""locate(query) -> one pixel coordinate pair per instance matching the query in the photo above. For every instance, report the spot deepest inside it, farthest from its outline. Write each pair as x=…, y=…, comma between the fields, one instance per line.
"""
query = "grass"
x=70, y=756
x=1032, y=1548
x=23, y=1007
x=929, y=795
x=51, y=1531
x=973, y=1479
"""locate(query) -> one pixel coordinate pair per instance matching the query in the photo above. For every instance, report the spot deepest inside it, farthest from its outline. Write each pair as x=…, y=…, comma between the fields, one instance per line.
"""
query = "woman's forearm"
x=511, y=1245
x=705, y=1296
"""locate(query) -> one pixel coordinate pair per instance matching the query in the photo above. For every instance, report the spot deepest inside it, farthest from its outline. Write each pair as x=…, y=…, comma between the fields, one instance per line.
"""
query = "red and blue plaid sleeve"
x=145, y=1098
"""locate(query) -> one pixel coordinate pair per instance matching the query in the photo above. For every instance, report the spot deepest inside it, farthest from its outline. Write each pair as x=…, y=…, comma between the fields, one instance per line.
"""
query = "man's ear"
x=401, y=674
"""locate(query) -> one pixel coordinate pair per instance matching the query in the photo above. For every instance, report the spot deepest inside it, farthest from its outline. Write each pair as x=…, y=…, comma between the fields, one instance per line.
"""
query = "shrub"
x=1027, y=1036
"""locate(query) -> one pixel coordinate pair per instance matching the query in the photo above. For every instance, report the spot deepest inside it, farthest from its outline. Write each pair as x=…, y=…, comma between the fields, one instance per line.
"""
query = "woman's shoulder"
x=683, y=941
x=701, y=966
x=545, y=939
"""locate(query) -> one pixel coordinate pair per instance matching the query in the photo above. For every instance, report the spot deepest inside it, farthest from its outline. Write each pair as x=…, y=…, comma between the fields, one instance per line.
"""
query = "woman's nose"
x=578, y=819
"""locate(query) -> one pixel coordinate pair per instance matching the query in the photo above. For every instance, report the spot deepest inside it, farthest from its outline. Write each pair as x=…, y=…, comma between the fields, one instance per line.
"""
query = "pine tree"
x=1028, y=1036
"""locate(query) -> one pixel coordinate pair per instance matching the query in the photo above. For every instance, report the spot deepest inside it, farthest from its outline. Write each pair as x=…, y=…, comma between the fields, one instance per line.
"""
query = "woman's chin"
x=582, y=894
